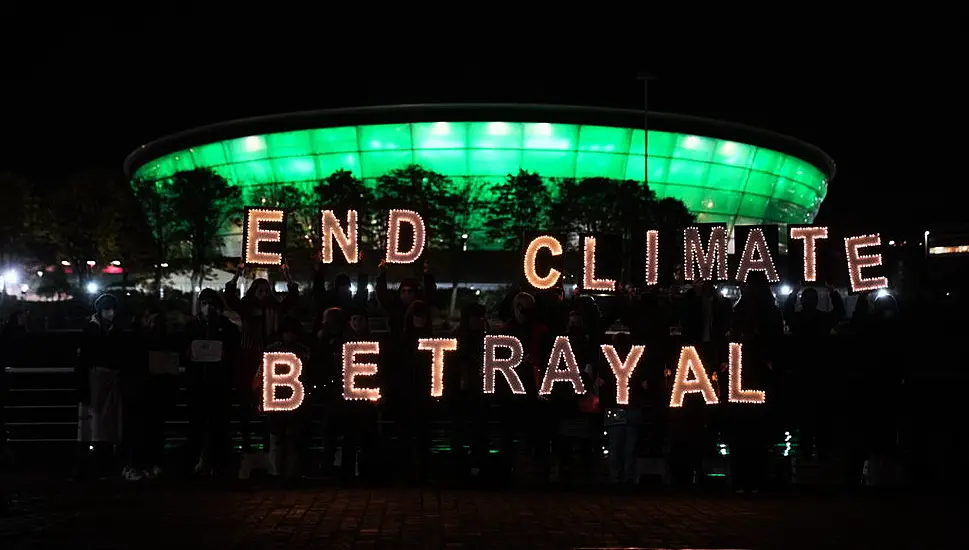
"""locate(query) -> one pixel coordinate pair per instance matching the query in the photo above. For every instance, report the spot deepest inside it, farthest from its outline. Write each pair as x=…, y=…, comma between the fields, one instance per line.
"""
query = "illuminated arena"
x=723, y=172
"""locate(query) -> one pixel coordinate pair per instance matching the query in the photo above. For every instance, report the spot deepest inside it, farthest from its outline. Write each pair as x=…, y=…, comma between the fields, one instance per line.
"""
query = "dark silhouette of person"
x=151, y=396
x=261, y=312
x=409, y=388
x=212, y=344
x=463, y=391
x=811, y=330
x=395, y=304
x=340, y=294
x=530, y=413
x=705, y=318
x=101, y=357
x=576, y=418
x=624, y=422
x=759, y=326
x=287, y=429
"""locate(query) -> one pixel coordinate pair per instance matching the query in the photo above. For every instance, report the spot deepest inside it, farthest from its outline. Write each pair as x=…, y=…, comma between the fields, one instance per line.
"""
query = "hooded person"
x=100, y=357
x=261, y=311
x=212, y=347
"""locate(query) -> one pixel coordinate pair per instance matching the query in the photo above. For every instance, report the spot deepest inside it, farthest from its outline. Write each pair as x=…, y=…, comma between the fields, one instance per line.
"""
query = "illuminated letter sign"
x=437, y=347
x=255, y=235
x=506, y=366
x=394, y=254
x=682, y=383
x=715, y=255
x=857, y=262
x=288, y=379
x=562, y=351
x=531, y=253
x=352, y=369
x=331, y=230
x=810, y=236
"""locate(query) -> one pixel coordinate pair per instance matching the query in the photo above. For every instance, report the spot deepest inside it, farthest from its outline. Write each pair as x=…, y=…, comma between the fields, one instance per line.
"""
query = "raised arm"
x=429, y=284
x=384, y=297
x=231, y=292
x=320, y=295
x=292, y=293
x=362, y=296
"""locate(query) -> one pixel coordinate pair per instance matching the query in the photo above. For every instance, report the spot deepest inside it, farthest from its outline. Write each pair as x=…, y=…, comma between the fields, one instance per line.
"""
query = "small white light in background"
x=725, y=291
x=116, y=262
x=65, y=263
x=882, y=292
x=11, y=277
x=92, y=287
x=40, y=273
x=91, y=263
x=785, y=290
x=891, y=243
x=164, y=264
x=24, y=288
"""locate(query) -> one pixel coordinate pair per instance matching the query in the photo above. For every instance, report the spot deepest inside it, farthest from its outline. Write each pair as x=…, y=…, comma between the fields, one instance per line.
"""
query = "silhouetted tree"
x=204, y=203
x=83, y=221
x=432, y=195
x=157, y=206
x=300, y=221
x=602, y=205
x=519, y=203
x=342, y=191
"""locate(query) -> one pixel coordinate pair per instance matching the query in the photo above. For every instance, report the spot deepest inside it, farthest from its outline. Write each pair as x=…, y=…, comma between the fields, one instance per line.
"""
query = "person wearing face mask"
x=212, y=348
x=99, y=361
x=261, y=311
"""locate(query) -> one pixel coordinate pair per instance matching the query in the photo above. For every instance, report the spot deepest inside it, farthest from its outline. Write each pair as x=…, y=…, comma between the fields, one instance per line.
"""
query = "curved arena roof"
x=723, y=172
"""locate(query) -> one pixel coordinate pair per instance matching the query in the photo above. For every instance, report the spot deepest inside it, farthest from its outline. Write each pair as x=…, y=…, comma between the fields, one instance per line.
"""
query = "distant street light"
x=926, y=242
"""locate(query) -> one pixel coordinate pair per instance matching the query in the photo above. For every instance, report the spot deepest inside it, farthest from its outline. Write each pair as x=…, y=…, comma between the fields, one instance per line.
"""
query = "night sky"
x=892, y=117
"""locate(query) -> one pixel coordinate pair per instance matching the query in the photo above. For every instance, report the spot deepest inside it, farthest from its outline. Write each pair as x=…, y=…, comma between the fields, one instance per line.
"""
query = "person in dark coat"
x=261, y=311
x=212, y=348
x=100, y=358
x=154, y=374
x=759, y=326
x=463, y=377
x=395, y=304
x=527, y=413
x=287, y=448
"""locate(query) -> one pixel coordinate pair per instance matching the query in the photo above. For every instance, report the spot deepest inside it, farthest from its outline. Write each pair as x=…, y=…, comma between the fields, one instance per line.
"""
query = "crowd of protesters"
x=125, y=397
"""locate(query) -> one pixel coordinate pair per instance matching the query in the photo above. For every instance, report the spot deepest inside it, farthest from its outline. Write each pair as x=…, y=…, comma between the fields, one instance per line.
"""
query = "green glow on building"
x=718, y=180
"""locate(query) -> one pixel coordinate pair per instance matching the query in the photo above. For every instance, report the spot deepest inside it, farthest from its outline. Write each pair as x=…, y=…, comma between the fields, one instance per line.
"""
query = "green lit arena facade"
x=723, y=172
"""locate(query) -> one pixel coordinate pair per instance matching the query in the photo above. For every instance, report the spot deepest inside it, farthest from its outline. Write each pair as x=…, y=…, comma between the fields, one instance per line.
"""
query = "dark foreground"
x=214, y=515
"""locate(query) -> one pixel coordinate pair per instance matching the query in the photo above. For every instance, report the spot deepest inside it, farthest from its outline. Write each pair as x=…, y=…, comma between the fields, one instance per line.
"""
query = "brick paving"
x=229, y=515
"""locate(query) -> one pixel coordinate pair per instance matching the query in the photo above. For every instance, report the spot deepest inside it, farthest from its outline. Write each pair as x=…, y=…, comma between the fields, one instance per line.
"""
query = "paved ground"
x=179, y=514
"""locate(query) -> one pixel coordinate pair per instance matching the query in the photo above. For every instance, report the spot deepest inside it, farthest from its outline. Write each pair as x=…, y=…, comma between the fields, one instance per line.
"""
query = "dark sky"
x=84, y=93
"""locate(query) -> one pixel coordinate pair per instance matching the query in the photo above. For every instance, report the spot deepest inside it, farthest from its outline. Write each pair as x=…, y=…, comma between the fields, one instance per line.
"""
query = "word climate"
x=282, y=371
x=264, y=243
